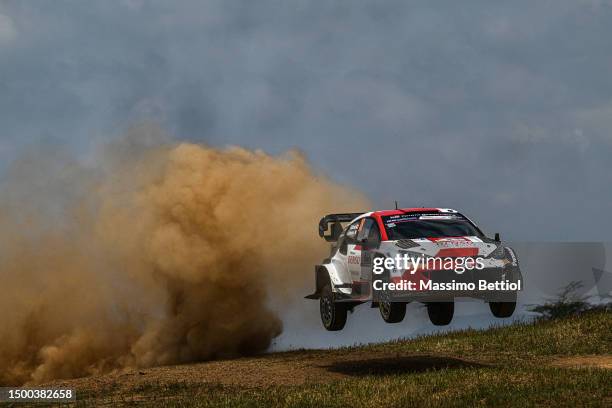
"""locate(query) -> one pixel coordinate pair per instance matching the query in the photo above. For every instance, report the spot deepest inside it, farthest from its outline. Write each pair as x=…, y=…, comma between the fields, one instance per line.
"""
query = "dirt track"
x=293, y=368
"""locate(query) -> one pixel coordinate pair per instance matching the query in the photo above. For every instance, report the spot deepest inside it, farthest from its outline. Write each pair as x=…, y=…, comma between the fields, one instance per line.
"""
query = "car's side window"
x=365, y=229
x=370, y=232
x=374, y=235
x=351, y=232
x=349, y=236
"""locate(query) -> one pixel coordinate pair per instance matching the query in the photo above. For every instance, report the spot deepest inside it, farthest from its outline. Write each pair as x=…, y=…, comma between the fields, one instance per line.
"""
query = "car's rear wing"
x=336, y=229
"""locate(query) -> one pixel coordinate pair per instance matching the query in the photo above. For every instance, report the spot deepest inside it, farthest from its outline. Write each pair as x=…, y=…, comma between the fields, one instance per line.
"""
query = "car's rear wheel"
x=441, y=313
x=503, y=309
x=333, y=314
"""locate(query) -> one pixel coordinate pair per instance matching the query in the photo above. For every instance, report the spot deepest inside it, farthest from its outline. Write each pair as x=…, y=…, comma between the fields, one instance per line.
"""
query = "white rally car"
x=435, y=244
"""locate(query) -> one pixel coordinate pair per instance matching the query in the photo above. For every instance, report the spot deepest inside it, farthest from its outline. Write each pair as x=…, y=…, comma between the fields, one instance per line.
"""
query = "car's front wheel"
x=333, y=314
x=503, y=309
x=391, y=312
x=441, y=313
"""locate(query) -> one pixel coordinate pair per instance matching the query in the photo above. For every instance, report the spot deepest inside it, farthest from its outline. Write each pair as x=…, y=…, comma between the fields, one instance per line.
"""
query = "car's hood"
x=445, y=247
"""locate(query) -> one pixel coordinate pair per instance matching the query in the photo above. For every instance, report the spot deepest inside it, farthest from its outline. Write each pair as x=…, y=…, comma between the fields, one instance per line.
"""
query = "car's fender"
x=328, y=273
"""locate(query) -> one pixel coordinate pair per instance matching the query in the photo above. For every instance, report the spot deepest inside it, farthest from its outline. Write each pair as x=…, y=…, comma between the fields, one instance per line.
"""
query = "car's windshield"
x=411, y=226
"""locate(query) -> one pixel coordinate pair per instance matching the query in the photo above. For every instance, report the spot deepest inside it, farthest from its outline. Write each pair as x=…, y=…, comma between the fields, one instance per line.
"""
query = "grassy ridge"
x=505, y=366
x=590, y=333
x=445, y=388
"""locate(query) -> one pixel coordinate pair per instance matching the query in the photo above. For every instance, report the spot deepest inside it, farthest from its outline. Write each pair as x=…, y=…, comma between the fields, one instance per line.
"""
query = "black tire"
x=333, y=314
x=441, y=313
x=504, y=309
x=391, y=312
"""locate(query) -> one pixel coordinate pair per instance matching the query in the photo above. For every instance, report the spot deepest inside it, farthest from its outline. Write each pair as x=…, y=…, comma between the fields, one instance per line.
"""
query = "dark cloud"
x=499, y=109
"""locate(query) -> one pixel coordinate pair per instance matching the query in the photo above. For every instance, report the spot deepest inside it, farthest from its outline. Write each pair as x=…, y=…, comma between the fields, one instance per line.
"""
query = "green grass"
x=589, y=333
x=504, y=386
x=504, y=366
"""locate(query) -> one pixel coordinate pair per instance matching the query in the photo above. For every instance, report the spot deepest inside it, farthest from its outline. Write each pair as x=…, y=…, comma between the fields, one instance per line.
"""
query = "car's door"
x=340, y=257
x=353, y=249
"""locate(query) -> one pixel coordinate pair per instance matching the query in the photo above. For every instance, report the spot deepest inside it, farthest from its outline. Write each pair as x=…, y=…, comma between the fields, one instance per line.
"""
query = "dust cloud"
x=152, y=253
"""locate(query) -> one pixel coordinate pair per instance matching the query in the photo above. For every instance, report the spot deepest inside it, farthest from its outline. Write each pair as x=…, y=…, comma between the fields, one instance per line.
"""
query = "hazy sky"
x=500, y=109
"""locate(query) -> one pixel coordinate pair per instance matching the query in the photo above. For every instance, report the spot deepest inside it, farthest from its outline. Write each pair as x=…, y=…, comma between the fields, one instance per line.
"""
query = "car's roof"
x=400, y=211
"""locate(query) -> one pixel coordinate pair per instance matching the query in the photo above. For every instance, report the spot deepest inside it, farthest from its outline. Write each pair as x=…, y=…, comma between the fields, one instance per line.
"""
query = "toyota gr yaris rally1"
x=429, y=255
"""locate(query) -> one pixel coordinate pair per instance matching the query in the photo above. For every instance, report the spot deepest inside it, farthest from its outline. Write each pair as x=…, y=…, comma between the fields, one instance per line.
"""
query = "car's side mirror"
x=497, y=238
